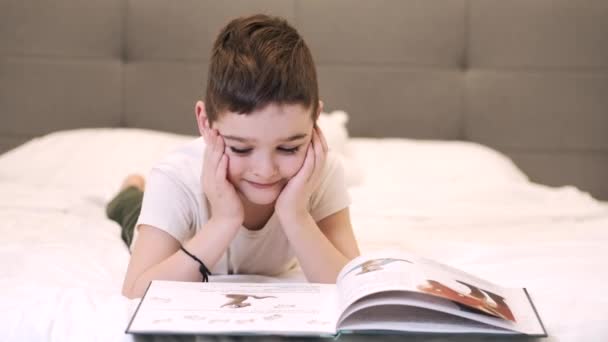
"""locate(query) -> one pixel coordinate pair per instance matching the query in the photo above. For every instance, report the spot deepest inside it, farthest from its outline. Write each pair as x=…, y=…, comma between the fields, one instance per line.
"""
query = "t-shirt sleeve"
x=332, y=194
x=166, y=205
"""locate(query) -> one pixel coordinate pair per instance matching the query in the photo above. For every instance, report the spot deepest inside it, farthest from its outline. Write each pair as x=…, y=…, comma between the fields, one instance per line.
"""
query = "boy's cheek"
x=235, y=169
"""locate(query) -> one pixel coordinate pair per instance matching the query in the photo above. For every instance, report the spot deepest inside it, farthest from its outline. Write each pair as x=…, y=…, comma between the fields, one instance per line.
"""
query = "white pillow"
x=416, y=161
x=433, y=162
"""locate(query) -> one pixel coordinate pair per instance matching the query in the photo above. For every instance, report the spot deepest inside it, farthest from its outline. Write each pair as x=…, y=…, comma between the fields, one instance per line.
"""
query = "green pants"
x=124, y=208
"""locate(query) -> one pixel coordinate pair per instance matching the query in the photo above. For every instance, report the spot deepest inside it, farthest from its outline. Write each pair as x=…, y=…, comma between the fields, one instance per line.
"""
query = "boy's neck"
x=256, y=215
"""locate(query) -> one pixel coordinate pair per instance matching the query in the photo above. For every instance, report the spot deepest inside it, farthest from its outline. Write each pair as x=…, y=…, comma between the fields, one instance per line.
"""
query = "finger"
x=219, y=141
x=319, y=155
x=208, y=147
x=222, y=169
x=219, y=149
x=309, y=162
x=207, y=153
x=206, y=135
x=307, y=167
x=318, y=144
x=323, y=140
x=216, y=151
x=222, y=146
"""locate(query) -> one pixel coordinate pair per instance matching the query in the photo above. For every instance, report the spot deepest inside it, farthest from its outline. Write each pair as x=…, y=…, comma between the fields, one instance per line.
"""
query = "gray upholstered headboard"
x=529, y=78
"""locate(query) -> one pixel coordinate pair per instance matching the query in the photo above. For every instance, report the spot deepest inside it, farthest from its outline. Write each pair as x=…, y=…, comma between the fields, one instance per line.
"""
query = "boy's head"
x=262, y=97
x=256, y=61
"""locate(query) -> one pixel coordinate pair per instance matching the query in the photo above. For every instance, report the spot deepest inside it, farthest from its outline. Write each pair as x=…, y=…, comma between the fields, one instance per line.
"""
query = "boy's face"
x=265, y=148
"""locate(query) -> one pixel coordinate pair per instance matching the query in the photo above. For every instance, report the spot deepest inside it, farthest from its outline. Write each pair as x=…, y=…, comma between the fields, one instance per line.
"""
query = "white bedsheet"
x=62, y=261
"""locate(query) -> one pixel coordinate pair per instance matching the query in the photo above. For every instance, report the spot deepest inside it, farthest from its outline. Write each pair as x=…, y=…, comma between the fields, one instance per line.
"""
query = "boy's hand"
x=225, y=203
x=292, y=203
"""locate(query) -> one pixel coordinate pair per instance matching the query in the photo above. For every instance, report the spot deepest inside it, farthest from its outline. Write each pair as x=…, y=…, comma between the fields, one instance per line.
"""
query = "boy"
x=258, y=192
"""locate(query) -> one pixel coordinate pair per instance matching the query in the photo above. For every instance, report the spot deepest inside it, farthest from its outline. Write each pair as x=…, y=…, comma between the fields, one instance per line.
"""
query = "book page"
x=435, y=310
x=237, y=308
x=376, y=272
x=400, y=271
x=415, y=320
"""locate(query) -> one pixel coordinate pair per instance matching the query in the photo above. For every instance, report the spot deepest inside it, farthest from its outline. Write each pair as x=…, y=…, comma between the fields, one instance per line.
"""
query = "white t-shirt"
x=174, y=202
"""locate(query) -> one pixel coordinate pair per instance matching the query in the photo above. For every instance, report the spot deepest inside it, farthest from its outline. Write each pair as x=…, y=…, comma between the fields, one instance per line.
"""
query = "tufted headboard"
x=529, y=78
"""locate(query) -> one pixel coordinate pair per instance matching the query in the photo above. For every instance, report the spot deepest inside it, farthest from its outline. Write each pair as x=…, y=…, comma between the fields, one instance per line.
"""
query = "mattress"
x=463, y=204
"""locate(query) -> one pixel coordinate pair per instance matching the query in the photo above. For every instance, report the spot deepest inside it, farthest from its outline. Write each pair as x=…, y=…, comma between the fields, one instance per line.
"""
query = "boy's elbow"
x=127, y=294
x=130, y=294
x=128, y=291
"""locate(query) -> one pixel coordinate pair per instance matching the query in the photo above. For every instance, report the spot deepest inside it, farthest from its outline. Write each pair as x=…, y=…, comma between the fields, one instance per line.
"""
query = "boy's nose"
x=265, y=169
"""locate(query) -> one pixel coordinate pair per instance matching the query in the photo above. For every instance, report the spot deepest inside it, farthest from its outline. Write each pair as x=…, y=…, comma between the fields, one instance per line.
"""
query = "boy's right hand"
x=225, y=203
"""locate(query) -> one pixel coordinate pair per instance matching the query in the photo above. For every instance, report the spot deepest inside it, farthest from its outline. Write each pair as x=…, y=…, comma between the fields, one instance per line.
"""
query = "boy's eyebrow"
x=241, y=139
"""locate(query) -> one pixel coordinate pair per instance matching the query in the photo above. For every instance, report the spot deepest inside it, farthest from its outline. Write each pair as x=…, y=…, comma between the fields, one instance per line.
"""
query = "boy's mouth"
x=262, y=185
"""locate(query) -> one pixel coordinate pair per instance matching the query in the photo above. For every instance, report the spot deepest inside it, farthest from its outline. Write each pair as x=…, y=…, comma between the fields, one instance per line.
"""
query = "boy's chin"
x=260, y=198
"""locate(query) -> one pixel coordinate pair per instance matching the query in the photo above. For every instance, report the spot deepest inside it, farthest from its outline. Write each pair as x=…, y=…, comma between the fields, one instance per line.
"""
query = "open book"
x=386, y=292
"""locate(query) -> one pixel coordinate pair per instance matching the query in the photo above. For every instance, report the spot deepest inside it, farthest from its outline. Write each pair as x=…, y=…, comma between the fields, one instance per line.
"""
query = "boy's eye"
x=240, y=151
x=244, y=151
x=289, y=150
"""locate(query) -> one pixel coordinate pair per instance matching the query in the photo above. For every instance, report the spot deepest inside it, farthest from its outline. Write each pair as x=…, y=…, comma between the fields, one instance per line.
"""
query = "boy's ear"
x=202, y=120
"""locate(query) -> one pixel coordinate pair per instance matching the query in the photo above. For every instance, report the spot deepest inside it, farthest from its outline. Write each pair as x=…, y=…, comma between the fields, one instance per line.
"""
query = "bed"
x=489, y=119
x=63, y=261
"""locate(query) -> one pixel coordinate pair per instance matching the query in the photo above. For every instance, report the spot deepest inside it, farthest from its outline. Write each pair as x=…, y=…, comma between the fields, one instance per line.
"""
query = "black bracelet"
x=203, y=269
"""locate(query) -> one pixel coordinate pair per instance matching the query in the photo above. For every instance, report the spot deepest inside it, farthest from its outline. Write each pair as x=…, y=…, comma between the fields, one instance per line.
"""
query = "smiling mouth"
x=262, y=185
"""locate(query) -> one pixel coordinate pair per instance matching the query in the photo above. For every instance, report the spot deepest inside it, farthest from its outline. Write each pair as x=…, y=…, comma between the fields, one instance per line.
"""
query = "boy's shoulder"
x=333, y=161
x=333, y=171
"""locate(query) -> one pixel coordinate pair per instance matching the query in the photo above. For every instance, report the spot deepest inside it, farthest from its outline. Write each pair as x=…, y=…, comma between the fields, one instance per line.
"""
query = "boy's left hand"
x=292, y=203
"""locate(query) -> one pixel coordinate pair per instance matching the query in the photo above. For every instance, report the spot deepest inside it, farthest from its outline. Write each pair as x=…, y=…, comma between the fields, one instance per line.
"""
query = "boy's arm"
x=157, y=255
x=338, y=230
x=322, y=249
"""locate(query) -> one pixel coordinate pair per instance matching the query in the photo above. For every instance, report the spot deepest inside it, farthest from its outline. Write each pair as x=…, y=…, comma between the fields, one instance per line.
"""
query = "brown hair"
x=256, y=61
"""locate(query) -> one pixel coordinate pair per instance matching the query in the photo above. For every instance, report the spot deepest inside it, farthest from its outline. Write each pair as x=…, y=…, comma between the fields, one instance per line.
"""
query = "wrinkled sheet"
x=62, y=262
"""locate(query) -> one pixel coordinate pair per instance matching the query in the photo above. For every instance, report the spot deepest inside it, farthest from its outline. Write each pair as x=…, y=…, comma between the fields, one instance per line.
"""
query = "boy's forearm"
x=320, y=260
x=208, y=244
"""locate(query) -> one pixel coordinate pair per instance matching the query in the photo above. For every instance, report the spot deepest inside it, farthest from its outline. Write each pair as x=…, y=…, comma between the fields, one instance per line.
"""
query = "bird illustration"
x=238, y=300
x=498, y=307
x=476, y=298
x=374, y=265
